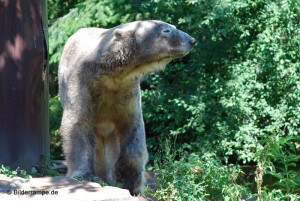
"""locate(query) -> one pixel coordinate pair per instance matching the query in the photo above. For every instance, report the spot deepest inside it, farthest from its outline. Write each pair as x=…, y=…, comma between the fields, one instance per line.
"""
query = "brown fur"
x=99, y=80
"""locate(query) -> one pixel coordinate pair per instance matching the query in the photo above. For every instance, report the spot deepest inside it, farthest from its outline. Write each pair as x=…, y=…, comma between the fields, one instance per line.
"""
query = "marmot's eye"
x=166, y=30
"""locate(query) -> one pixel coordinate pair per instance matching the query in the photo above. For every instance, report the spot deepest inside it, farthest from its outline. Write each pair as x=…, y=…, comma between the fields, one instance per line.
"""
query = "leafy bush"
x=55, y=115
x=280, y=157
x=197, y=176
x=13, y=173
x=244, y=76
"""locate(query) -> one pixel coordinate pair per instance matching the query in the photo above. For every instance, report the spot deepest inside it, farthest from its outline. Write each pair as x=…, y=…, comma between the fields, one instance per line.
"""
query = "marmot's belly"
x=116, y=112
x=107, y=150
x=104, y=128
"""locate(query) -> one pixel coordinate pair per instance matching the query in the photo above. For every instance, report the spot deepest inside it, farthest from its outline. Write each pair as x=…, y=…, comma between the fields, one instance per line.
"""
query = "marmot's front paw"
x=80, y=175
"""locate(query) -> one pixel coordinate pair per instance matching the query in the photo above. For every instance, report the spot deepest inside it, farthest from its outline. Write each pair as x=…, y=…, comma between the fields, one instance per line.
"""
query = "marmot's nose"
x=193, y=41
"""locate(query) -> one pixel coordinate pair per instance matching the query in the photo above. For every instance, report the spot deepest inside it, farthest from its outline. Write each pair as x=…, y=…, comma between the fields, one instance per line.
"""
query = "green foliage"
x=59, y=8
x=262, y=95
x=13, y=173
x=55, y=115
x=195, y=178
x=45, y=168
x=277, y=195
x=184, y=176
x=282, y=159
x=244, y=74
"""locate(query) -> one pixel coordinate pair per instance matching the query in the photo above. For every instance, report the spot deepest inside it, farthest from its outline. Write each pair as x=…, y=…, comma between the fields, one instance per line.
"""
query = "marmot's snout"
x=193, y=41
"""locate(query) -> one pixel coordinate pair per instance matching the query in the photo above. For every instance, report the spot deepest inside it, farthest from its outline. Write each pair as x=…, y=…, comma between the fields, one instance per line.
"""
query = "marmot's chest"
x=114, y=113
x=116, y=107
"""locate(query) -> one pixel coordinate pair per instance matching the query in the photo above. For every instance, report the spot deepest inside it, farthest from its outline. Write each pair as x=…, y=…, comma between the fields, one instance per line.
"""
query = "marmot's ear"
x=119, y=33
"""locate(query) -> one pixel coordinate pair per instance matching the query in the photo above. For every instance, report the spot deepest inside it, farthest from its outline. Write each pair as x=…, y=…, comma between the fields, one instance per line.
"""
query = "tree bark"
x=24, y=132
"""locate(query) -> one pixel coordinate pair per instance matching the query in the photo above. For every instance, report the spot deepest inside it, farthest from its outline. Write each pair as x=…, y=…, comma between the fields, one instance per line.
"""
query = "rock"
x=3, y=177
x=17, y=181
x=60, y=188
x=4, y=184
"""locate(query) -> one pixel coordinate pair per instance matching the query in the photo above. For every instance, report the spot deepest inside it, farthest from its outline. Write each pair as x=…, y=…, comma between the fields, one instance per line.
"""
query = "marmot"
x=99, y=83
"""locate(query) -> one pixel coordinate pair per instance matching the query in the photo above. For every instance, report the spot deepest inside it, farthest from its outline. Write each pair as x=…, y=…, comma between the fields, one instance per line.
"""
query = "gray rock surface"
x=60, y=188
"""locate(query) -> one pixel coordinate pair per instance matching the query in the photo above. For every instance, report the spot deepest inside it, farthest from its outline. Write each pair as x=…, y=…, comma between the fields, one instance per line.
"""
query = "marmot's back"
x=81, y=45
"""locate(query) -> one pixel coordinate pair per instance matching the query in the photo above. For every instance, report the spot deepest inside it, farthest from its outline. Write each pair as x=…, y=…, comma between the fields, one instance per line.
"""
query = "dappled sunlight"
x=68, y=185
x=59, y=187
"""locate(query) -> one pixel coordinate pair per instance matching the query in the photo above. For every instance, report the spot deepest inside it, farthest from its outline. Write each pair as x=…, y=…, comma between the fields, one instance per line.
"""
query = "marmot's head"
x=155, y=40
x=143, y=47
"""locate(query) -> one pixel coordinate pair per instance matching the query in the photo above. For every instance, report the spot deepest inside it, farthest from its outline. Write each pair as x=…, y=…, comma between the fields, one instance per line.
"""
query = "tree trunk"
x=24, y=134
